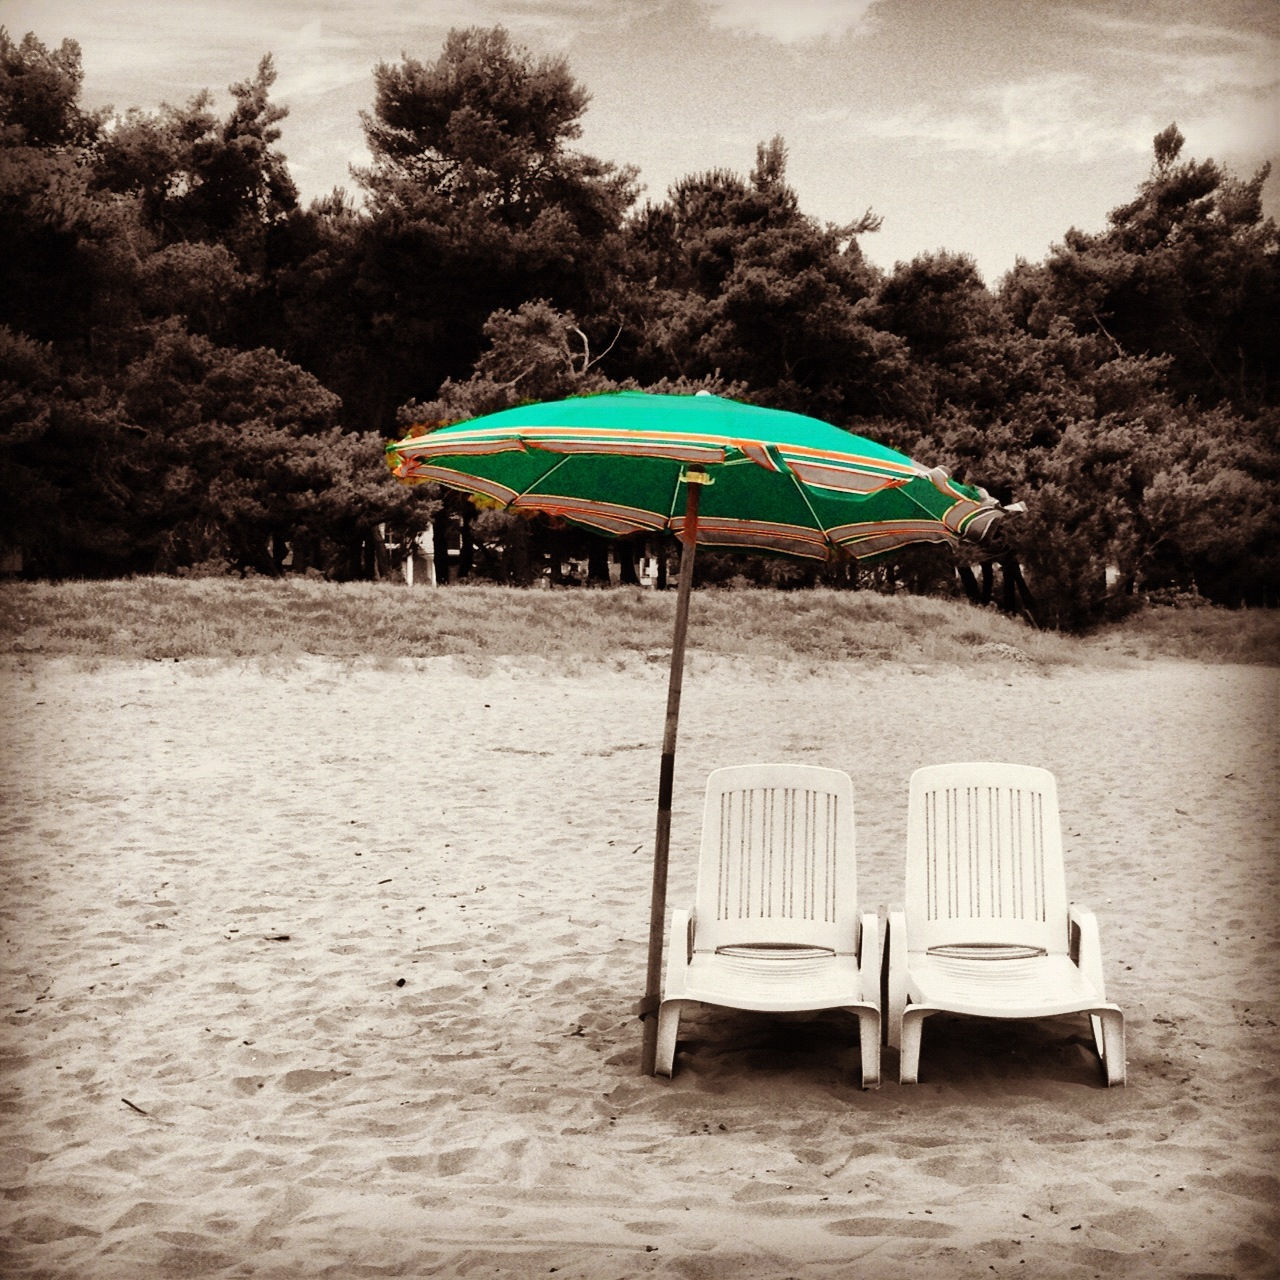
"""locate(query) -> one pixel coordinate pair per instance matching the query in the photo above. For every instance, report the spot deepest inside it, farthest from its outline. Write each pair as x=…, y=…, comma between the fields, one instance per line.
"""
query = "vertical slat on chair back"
x=984, y=857
x=777, y=863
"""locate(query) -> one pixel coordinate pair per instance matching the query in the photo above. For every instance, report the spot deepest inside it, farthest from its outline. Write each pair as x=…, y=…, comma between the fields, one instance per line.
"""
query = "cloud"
x=1052, y=116
x=1111, y=98
x=790, y=21
x=1206, y=67
x=1220, y=83
x=1096, y=85
x=1254, y=35
x=314, y=59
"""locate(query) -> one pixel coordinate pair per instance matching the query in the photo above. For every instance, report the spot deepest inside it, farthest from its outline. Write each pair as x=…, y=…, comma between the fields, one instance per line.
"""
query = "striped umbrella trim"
x=833, y=469
x=631, y=448
x=415, y=471
x=845, y=479
x=764, y=535
x=862, y=538
x=965, y=518
x=674, y=445
x=874, y=539
x=615, y=517
x=459, y=447
x=972, y=519
x=872, y=528
x=798, y=453
x=762, y=455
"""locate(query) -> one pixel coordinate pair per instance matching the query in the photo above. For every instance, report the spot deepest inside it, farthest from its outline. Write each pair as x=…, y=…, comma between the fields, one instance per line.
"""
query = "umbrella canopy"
x=632, y=462
x=618, y=463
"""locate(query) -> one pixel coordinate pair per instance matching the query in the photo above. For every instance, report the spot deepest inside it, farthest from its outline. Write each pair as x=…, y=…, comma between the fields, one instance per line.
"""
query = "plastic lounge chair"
x=987, y=929
x=775, y=925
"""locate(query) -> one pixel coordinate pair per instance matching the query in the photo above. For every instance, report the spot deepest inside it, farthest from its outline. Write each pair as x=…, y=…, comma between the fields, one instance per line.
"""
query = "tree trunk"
x=467, y=556
x=1028, y=606
x=598, y=563
x=626, y=553
x=279, y=552
x=1008, y=585
x=381, y=555
x=555, y=549
x=520, y=558
x=440, y=543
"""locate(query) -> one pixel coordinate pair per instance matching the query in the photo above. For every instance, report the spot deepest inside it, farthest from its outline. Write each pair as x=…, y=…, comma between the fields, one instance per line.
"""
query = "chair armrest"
x=1086, y=945
x=679, y=952
x=870, y=956
x=896, y=990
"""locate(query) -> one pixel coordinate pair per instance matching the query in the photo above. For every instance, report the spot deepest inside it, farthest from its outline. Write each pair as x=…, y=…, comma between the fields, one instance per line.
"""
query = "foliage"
x=534, y=353
x=484, y=124
x=39, y=95
x=476, y=204
x=140, y=426
x=1189, y=269
x=742, y=285
x=199, y=179
x=62, y=441
x=243, y=461
x=196, y=372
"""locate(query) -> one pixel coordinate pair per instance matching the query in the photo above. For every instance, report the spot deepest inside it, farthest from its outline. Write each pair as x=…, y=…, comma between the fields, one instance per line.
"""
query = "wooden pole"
x=648, y=1008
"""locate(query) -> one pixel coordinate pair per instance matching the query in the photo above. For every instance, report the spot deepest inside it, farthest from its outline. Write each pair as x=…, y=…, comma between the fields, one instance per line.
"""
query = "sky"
x=986, y=127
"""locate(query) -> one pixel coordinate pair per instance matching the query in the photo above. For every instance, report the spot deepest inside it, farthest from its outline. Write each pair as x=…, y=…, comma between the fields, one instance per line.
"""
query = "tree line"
x=198, y=374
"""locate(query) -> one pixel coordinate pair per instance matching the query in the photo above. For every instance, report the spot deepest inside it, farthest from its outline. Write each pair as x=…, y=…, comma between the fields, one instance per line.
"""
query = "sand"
x=318, y=969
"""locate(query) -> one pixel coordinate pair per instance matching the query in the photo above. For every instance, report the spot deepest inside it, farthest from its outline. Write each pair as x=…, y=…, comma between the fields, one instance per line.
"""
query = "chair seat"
x=773, y=979
x=1019, y=986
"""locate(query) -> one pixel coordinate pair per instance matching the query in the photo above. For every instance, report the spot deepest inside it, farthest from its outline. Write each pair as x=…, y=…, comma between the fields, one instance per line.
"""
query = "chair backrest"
x=777, y=864
x=984, y=858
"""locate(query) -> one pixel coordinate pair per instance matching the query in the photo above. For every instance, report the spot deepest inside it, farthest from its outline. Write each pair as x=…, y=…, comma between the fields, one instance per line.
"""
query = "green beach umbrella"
x=714, y=472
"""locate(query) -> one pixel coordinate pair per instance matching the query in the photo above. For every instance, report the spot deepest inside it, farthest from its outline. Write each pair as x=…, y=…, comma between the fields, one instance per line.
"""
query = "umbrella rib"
x=937, y=519
x=804, y=494
x=675, y=498
x=540, y=479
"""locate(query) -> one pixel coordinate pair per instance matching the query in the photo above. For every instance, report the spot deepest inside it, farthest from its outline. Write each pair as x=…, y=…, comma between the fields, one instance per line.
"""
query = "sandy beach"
x=320, y=969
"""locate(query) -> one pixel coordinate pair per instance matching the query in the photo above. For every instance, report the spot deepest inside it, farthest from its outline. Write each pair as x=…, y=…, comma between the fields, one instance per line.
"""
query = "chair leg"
x=893, y=1024
x=1110, y=1043
x=909, y=1052
x=869, y=1039
x=668, y=1027
x=895, y=977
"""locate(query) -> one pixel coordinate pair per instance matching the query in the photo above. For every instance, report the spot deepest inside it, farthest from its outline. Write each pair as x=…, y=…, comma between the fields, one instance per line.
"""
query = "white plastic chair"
x=775, y=925
x=986, y=928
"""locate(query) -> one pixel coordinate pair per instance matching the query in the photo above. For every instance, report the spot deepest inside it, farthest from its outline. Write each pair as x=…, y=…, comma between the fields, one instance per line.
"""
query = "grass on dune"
x=1209, y=634
x=166, y=618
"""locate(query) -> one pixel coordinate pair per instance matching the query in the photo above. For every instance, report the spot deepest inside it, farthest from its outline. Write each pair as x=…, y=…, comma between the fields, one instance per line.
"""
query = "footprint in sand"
x=303, y=1080
x=887, y=1227
x=146, y=1213
x=450, y=1163
x=42, y=1228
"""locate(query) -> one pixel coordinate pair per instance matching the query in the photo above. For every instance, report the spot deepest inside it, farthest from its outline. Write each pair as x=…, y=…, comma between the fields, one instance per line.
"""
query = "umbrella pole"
x=662, y=838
